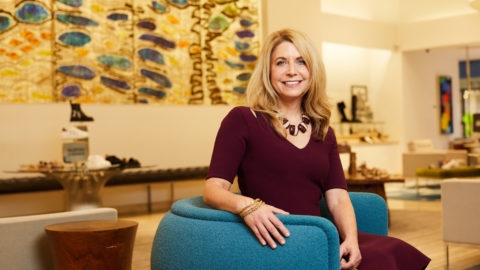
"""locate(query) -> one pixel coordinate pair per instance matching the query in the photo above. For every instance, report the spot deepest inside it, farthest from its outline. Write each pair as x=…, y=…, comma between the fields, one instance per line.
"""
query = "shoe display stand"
x=75, y=144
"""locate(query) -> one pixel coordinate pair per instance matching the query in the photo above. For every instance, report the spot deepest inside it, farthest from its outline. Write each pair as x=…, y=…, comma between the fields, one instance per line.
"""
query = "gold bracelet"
x=252, y=209
x=248, y=206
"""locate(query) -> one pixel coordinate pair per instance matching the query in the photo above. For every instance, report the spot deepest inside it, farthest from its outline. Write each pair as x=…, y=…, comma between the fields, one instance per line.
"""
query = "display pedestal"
x=83, y=186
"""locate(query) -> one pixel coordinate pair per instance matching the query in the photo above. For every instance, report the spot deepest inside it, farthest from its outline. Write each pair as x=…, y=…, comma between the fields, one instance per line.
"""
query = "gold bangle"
x=248, y=206
x=252, y=209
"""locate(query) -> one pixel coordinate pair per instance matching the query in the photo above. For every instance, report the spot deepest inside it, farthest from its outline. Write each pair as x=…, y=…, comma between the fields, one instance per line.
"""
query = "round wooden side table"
x=98, y=244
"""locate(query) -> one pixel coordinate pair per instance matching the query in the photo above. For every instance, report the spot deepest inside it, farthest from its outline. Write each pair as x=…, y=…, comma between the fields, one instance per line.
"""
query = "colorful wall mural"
x=128, y=51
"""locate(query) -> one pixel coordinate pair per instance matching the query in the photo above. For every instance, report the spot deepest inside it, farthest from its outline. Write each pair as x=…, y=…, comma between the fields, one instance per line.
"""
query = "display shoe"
x=77, y=114
x=97, y=162
x=133, y=163
x=115, y=160
x=74, y=133
x=341, y=108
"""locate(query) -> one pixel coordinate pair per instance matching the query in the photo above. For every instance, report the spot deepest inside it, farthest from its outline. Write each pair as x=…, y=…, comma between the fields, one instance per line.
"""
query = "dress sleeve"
x=336, y=176
x=229, y=147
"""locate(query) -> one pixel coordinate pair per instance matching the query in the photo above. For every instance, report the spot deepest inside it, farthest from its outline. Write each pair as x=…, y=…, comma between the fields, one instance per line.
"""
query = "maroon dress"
x=271, y=168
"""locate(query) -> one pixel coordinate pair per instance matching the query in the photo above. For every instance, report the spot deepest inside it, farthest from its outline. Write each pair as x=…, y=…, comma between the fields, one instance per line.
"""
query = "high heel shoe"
x=77, y=114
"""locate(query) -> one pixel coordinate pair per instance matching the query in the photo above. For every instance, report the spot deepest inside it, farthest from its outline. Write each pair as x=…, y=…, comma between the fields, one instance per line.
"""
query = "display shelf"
x=375, y=144
x=361, y=133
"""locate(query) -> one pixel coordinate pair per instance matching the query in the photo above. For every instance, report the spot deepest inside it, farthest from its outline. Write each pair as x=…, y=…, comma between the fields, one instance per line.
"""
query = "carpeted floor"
x=430, y=191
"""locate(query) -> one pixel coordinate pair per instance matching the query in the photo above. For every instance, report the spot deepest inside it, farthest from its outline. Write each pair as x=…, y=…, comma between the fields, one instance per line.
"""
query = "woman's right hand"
x=263, y=222
x=265, y=225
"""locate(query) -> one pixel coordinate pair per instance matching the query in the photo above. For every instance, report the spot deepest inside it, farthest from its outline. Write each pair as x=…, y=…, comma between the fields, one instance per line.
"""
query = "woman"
x=285, y=154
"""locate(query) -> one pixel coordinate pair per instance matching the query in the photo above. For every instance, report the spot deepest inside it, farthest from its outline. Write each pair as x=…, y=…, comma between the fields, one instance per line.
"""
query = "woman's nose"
x=292, y=69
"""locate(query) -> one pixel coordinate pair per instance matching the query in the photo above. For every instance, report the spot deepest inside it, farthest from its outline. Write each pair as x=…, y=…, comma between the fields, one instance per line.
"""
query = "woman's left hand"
x=350, y=256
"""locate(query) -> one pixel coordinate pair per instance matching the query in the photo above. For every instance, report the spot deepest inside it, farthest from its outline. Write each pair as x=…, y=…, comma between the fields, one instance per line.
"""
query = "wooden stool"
x=98, y=244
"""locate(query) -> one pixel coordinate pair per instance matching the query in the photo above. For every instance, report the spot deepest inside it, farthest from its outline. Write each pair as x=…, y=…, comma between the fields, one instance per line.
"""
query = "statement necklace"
x=292, y=129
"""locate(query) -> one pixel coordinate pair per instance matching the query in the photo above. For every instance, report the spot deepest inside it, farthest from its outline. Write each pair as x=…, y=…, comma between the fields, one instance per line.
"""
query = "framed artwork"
x=445, y=90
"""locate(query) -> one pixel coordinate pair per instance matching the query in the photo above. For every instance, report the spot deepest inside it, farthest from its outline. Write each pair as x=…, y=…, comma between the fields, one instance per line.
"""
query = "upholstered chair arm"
x=370, y=210
x=194, y=236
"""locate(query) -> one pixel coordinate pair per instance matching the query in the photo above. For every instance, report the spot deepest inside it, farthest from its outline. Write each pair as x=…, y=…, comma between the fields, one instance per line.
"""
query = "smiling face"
x=289, y=73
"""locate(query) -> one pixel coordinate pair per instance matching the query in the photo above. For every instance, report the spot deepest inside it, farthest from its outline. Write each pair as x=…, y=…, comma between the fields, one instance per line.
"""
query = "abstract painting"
x=128, y=51
x=446, y=120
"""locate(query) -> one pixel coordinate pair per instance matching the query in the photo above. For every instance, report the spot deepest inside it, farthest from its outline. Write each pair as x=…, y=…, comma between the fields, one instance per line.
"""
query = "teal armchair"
x=194, y=236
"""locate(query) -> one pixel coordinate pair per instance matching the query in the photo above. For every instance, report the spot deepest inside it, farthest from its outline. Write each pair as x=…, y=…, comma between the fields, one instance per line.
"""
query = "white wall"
x=397, y=11
x=420, y=92
x=452, y=31
x=425, y=10
x=372, y=10
x=379, y=70
x=357, y=32
x=168, y=136
x=304, y=16
x=350, y=65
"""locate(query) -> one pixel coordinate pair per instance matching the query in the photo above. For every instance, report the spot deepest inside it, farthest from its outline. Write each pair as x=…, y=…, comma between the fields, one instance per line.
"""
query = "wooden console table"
x=372, y=185
x=98, y=244
x=361, y=184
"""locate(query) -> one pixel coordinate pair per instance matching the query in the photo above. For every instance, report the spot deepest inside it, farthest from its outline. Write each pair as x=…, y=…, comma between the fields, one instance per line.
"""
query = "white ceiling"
x=397, y=11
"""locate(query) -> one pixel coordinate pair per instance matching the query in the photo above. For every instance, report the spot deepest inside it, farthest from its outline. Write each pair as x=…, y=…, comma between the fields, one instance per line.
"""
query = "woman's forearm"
x=217, y=194
x=343, y=214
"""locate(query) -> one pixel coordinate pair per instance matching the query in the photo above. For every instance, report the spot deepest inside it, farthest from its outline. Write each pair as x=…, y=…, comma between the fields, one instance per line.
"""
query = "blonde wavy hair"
x=262, y=97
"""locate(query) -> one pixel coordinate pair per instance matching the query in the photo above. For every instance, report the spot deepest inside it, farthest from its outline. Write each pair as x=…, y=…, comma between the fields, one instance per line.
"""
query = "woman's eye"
x=281, y=62
x=302, y=62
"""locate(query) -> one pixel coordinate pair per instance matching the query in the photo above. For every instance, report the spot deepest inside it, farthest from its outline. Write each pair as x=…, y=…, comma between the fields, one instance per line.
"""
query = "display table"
x=361, y=184
x=99, y=244
x=372, y=185
x=83, y=186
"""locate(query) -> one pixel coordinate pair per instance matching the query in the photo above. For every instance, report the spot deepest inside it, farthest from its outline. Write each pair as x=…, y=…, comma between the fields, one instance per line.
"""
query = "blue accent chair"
x=194, y=236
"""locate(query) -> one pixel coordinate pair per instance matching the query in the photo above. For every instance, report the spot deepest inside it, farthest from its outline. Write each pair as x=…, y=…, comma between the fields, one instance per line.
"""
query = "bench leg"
x=149, y=199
